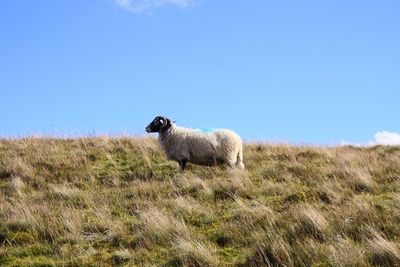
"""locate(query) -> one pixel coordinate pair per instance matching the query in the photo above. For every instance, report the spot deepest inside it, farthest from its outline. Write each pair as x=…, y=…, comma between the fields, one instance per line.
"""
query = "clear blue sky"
x=292, y=71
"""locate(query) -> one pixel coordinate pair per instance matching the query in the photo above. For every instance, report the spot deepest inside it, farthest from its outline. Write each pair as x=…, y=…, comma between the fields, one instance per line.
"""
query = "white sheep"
x=196, y=146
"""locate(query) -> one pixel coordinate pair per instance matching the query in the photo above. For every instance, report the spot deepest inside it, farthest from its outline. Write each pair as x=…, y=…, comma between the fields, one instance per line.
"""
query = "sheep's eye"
x=161, y=121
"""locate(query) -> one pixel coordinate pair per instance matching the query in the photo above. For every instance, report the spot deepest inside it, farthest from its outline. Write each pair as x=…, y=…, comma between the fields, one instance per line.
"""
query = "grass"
x=119, y=202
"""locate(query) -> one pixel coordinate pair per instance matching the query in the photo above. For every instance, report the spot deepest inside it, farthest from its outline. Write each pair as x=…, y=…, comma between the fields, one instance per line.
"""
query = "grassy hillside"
x=107, y=202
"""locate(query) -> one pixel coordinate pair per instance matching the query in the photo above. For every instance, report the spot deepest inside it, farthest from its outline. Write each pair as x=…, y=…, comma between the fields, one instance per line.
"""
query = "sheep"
x=198, y=147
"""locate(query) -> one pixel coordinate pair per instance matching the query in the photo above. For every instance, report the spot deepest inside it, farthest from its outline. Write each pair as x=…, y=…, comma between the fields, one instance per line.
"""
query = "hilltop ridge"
x=119, y=201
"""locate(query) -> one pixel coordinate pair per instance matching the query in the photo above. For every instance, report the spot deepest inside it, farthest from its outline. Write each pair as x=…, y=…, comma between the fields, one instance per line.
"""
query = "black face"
x=159, y=124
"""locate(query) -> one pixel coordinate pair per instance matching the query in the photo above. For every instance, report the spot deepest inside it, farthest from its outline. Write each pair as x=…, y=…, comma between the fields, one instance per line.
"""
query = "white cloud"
x=381, y=138
x=345, y=143
x=386, y=138
x=145, y=6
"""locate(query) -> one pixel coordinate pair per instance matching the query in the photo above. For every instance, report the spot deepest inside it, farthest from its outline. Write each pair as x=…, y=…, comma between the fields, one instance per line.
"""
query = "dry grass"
x=118, y=201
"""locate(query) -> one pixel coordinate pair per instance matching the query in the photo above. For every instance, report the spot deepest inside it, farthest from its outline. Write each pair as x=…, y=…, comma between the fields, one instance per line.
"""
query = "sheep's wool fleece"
x=200, y=147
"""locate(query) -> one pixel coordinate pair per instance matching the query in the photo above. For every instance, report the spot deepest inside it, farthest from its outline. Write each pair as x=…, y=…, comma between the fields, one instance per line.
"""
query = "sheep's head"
x=159, y=124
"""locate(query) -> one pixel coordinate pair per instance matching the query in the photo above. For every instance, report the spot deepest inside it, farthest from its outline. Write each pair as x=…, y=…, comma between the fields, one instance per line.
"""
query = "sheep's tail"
x=239, y=162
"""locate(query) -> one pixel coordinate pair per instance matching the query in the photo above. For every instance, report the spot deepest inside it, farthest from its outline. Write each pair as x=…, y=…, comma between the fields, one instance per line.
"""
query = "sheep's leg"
x=239, y=161
x=231, y=164
x=182, y=165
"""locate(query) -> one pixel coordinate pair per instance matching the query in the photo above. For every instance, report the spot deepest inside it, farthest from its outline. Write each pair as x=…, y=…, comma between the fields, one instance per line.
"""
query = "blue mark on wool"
x=207, y=130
